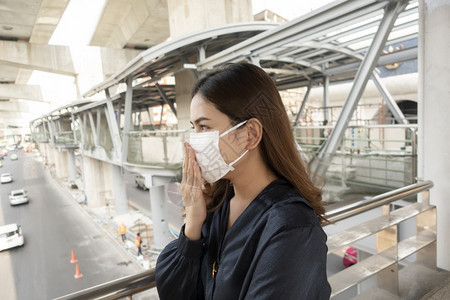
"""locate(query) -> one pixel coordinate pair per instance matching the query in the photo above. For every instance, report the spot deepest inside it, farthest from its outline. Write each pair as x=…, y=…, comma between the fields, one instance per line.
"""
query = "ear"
x=254, y=133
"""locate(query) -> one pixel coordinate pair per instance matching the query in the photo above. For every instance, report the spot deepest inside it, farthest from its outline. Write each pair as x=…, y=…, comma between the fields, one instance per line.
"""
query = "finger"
x=197, y=176
x=185, y=163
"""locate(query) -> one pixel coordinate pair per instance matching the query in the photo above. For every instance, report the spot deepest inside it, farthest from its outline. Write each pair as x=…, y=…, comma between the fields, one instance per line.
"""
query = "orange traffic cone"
x=74, y=259
x=77, y=272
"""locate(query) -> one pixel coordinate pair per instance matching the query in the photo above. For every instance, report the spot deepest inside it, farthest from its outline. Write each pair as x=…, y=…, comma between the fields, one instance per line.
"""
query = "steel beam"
x=167, y=100
x=93, y=129
x=99, y=121
x=51, y=129
x=112, y=124
x=398, y=56
x=72, y=118
x=320, y=163
x=390, y=102
x=326, y=19
x=83, y=130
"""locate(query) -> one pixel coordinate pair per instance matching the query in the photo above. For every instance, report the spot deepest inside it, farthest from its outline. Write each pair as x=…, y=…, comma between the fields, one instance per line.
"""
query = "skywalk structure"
x=340, y=42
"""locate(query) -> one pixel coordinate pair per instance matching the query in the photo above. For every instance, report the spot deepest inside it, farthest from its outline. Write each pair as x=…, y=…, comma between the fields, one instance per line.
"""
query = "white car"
x=18, y=197
x=10, y=236
x=140, y=182
x=6, y=177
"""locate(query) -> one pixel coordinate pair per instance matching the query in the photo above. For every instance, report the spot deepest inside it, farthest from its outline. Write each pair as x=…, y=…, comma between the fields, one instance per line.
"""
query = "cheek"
x=231, y=146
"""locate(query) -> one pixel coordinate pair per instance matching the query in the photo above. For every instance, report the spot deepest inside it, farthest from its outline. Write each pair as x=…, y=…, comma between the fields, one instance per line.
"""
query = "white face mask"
x=207, y=152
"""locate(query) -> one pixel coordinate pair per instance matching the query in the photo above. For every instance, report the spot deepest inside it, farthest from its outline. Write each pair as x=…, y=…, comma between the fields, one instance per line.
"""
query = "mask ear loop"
x=245, y=152
x=233, y=128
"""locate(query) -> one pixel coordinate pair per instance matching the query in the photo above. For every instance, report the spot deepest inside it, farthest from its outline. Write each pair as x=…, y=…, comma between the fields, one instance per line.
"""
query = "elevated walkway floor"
x=415, y=282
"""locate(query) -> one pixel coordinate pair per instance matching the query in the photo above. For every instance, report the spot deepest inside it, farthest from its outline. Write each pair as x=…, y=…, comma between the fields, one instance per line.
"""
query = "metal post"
x=52, y=131
x=387, y=279
x=326, y=99
x=302, y=107
x=414, y=155
x=150, y=116
x=82, y=119
x=127, y=124
x=319, y=164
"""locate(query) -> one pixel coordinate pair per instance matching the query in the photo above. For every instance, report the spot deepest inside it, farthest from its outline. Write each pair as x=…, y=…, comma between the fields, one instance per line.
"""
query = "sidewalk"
x=134, y=220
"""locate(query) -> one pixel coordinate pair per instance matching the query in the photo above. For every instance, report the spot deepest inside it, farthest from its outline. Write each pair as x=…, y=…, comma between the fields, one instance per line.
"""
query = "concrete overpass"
x=25, y=31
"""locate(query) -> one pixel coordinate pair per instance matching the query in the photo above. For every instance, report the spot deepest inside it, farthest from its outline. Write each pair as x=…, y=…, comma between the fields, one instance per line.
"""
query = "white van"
x=10, y=236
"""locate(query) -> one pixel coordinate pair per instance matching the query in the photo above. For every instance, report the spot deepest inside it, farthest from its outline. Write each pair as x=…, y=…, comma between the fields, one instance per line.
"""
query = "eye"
x=199, y=128
x=203, y=127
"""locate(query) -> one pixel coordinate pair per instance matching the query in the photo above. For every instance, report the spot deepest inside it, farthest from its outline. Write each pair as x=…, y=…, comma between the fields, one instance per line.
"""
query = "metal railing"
x=358, y=207
x=381, y=241
x=166, y=148
x=66, y=138
x=382, y=155
x=116, y=289
x=128, y=286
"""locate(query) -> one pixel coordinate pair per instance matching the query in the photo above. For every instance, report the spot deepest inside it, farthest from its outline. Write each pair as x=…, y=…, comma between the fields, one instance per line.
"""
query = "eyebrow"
x=200, y=119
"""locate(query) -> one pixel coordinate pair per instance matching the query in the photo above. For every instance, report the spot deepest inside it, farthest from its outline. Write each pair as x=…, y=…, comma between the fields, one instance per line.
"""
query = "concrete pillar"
x=93, y=181
x=44, y=151
x=106, y=189
x=61, y=164
x=51, y=158
x=72, y=166
x=195, y=15
x=434, y=105
x=183, y=87
x=158, y=207
x=120, y=192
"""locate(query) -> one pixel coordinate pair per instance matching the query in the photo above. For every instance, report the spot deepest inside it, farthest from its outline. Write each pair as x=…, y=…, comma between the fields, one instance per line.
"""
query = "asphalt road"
x=53, y=225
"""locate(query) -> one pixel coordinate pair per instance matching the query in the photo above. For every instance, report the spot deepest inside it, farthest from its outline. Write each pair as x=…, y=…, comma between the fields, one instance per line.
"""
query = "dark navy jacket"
x=276, y=249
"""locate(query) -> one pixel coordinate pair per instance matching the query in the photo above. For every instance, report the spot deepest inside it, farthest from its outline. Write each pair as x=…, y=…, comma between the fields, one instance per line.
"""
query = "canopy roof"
x=330, y=41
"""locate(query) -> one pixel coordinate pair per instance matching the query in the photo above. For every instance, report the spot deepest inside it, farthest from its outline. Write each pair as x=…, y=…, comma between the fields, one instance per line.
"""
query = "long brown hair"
x=243, y=91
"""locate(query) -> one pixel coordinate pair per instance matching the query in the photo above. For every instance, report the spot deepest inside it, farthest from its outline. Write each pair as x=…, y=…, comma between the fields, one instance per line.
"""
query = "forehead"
x=201, y=108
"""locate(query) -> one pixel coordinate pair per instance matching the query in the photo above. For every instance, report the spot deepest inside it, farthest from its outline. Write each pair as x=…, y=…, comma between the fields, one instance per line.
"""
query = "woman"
x=253, y=217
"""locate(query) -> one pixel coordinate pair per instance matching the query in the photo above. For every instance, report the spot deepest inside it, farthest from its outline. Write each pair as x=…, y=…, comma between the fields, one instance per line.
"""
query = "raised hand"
x=191, y=190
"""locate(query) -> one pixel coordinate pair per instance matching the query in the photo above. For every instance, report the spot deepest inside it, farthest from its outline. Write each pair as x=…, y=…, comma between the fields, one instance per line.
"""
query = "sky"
x=289, y=9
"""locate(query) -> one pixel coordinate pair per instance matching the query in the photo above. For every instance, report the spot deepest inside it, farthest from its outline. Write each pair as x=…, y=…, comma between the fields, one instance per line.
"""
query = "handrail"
x=378, y=126
x=157, y=131
x=116, y=289
x=377, y=201
x=133, y=284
